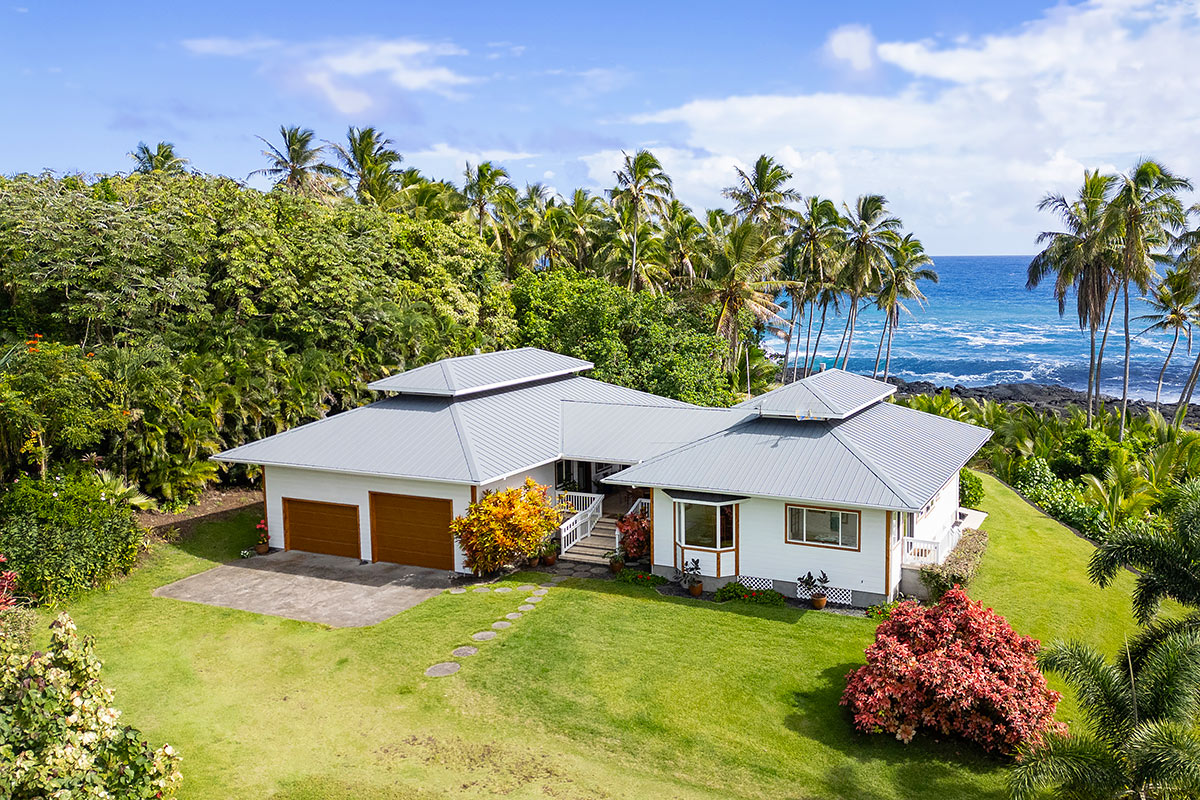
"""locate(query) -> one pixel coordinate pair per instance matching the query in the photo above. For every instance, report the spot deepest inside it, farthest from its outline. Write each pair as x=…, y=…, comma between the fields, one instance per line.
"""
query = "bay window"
x=705, y=525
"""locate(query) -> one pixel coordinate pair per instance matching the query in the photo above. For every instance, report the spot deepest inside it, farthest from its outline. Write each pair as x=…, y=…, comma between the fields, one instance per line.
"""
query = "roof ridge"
x=688, y=406
x=464, y=439
x=446, y=374
x=869, y=464
x=819, y=395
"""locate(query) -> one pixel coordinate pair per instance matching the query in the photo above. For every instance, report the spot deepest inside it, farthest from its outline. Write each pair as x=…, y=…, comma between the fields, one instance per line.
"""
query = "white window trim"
x=680, y=531
x=787, y=517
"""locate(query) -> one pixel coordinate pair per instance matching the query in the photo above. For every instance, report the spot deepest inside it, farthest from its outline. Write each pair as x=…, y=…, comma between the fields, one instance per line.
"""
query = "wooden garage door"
x=412, y=530
x=330, y=528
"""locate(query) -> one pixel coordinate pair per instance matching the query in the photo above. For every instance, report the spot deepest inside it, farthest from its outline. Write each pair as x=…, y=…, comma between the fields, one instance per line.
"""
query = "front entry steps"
x=592, y=549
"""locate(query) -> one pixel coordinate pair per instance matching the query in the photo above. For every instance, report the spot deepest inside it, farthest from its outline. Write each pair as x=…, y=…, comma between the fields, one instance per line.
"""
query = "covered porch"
x=919, y=552
x=589, y=532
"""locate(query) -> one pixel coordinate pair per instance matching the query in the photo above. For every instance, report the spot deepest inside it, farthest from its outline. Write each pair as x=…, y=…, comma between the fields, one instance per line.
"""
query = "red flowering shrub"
x=954, y=669
x=635, y=535
x=8, y=584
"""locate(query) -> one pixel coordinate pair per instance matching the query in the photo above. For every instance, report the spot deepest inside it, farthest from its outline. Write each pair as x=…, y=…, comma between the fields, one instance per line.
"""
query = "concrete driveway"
x=331, y=590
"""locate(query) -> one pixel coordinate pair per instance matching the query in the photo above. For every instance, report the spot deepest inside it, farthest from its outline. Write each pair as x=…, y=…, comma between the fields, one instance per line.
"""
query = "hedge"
x=958, y=568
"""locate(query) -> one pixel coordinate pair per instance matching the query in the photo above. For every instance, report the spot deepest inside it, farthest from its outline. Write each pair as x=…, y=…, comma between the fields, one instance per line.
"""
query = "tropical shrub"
x=970, y=488
x=635, y=535
x=637, y=578
x=1057, y=497
x=959, y=567
x=952, y=669
x=882, y=611
x=742, y=593
x=64, y=534
x=504, y=526
x=1084, y=451
x=16, y=622
x=63, y=740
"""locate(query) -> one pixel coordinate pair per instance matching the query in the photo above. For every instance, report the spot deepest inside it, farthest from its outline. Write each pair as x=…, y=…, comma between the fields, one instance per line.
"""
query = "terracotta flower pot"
x=533, y=562
x=818, y=601
x=616, y=566
x=262, y=549
x=696, y=589
x=550, y=560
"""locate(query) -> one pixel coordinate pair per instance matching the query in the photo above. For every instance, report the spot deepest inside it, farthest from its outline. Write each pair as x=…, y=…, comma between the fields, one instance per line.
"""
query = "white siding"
x=763, y=551
x=338, y=487
x=941, y=512
x=543, y=475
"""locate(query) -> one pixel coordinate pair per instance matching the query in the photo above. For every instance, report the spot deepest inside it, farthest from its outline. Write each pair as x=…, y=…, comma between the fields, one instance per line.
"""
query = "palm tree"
x=1174, y=302
x=585, y=214
x=481, y=186
x=741, y=276
x=1187, y=257
x=909, y=265
x=644, y=188
x=1145, y=205
x=638, y=250
x=162, y=158
x=818, y=244
x=1081, y=257
x=298, y=167
x=1142, y=740
x=760, y=195
x=870, y=238
x=683, y=237
x=369, y=163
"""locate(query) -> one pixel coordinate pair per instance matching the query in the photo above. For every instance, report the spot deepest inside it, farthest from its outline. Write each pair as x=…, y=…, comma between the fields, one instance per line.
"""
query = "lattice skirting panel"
x=836, y=594
x=758, y=584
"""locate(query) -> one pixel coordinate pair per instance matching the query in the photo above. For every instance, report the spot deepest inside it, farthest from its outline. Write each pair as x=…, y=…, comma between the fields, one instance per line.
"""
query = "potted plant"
x=816, y=589
x=689, y=577
x=616, y=559
x=535, y=558
x=549, y=552
x=264, y=538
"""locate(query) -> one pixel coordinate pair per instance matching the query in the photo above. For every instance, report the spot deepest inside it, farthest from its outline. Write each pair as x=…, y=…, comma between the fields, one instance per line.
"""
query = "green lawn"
x=603, y=691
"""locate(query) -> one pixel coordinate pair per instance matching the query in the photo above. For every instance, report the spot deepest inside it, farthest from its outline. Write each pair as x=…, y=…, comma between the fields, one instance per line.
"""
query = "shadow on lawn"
x=223, y=535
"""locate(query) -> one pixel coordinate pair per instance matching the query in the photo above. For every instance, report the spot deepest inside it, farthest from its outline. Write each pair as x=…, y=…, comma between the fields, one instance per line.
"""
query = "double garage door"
x=404, y=529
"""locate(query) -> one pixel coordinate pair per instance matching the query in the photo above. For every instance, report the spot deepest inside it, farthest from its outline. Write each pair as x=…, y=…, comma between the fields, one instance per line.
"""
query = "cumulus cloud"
x=443, y=160
x=977, y=130
x=344, y=72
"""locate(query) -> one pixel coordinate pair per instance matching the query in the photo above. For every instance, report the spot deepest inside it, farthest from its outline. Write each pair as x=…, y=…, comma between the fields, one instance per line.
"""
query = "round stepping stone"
x=443, y=669
x=501, y=625
x=526, y=587
x=547, y=585
x=514, y=615
x=482, y=589
x=458, y=590
x=526, y=607
x=464, y=651
x=534, y=599
x=559, y=578
x=503, y=590
x=483, y=636
x=540, y=592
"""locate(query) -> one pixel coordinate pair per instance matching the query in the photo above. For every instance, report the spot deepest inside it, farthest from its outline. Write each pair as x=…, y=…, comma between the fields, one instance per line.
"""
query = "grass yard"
x=604, y=691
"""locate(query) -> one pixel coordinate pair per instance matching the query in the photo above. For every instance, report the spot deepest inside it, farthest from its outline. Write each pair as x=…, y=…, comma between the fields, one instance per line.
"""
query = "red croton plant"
x=953, y=669
x=635, y=535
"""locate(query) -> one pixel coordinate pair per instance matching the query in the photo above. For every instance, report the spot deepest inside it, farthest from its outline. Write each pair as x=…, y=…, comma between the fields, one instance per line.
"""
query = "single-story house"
x=822, y=474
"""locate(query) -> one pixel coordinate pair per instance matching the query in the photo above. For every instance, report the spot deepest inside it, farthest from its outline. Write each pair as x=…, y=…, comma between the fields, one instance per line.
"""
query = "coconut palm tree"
x=298, y=166
x=643, y=187
x=586, y=215
x=741, y=276
x=1081, y=257
x=1187, y=257
x=1141, y=739
x=162, y=158
x=761, y=194
x=481, y=186
x=818, y=245
x=910, y=264
x=1144, y=208
x=870, y=238
x=1173, y=301
x=683, y=238
x=637, y=251
x=369, y=162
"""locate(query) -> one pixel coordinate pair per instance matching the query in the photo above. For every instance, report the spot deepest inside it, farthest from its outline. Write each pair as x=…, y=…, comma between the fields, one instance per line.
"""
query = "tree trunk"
x=1125, y=382
x=842, y=343
x=817, y=344
x=879, y=350
x=812, y=310
x=1185, y=396
x=787, y=347
x=1163, y=371
x=1112, y=308
x=633, y=263
x=887, y=364
x=850, y=337
x=1091, y=372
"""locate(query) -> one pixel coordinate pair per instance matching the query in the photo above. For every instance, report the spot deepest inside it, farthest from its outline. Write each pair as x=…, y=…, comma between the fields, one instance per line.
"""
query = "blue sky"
x=962, y=114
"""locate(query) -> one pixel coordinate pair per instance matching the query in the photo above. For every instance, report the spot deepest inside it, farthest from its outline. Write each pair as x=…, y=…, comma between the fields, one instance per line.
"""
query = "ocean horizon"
x=981, y=326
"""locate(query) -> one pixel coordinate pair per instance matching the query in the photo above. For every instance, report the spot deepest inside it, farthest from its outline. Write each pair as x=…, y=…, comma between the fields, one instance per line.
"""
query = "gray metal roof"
x=471, y=439
x=885, y=456
x=454, y=377
x=626, y=434
x=832, y=394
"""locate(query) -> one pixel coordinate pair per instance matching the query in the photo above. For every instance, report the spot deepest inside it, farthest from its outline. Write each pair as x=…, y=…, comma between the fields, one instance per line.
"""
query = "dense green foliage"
x=639, y=578
x=736, y=590
x=1056, y=496
x=959, y=567
x=64, y=534
x=970, y=489
x=59, y=735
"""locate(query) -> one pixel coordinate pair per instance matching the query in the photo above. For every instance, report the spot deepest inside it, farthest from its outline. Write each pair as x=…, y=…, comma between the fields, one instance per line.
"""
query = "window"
x=702, y=525
x=822, y=526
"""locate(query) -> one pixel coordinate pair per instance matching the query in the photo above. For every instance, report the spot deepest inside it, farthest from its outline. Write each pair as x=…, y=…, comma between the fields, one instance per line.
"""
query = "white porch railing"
x=931, y=551
x=587, y=514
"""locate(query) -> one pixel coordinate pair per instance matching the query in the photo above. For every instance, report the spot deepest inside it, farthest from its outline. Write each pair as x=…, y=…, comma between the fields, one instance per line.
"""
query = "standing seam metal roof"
x=454, y=377
x=832, y=394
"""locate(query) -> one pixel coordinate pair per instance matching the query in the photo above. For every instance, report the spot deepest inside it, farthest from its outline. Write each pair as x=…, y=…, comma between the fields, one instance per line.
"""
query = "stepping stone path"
x=537, y=595
x=443, y=669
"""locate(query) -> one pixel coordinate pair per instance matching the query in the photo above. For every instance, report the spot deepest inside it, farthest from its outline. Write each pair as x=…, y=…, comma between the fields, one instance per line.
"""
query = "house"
x=820, y=475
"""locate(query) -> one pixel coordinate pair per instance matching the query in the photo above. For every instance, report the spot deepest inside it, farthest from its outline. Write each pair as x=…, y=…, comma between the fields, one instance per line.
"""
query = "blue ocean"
x=980, y=325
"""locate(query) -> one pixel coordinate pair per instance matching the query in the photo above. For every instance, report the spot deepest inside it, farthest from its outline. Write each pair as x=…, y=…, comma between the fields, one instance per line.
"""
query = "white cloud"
x=445, y=161
x=406, y=63
x=345, y=99
x=978, y=128
x=222, y=46
x=853, y=44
